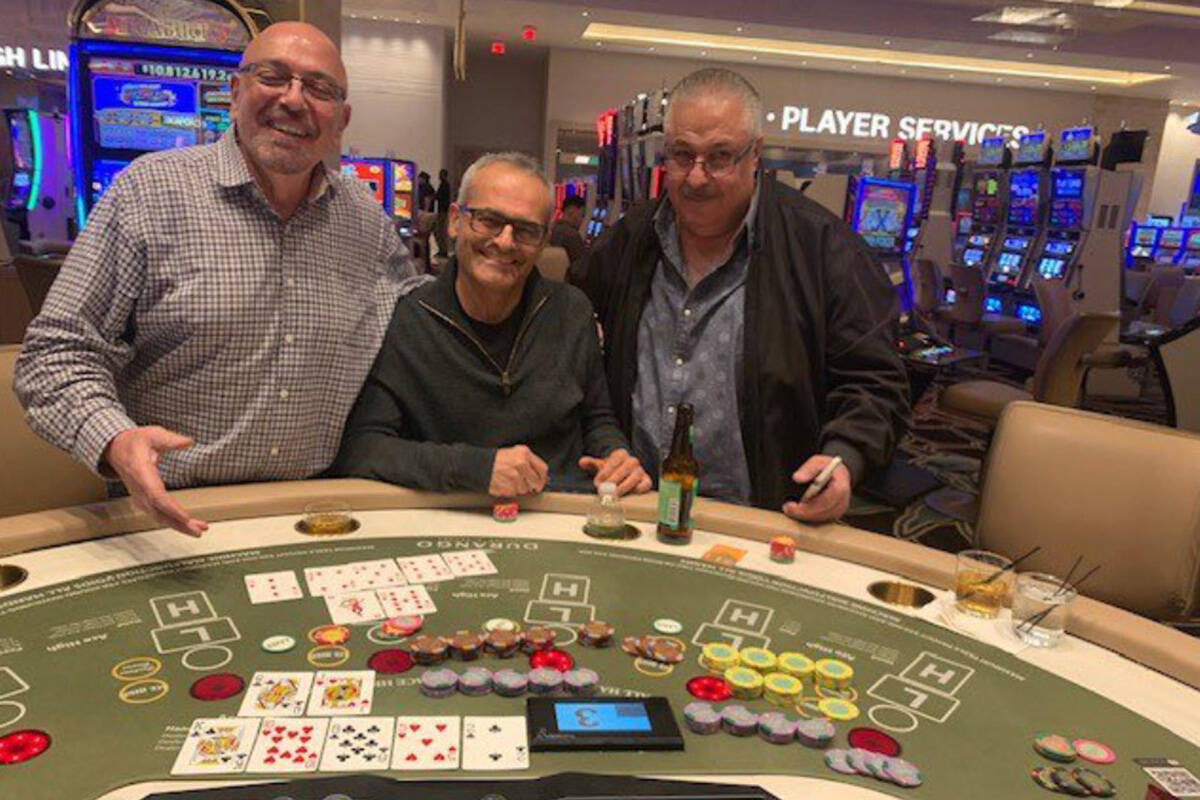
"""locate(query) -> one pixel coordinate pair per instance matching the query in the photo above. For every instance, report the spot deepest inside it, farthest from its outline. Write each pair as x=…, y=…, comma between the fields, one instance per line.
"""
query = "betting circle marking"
x=873, y=712
x=225, y=656
x=136, y=669
x=19, y=706
x=144, y=691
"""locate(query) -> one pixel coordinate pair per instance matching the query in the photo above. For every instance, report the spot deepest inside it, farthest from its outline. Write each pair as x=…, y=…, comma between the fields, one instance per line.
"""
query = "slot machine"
x=1143, y=244
x=390, y=183
x=147, y=76
x=1026, y=212
x=1073, y=181
x=975, y=246
x=38, y=197
x=882, y=216
x=1189, y=259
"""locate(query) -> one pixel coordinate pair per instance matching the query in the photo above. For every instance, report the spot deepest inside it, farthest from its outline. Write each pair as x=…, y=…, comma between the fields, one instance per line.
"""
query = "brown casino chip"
x=465, y=645
x=538, y=639
x=664, y=651
x=632, y=645
x=501, y=643
x=596, y=633
x=427, y=650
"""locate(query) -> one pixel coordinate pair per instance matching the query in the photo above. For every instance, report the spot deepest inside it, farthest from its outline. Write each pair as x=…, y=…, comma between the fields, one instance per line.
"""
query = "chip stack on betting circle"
x=1094, y=751
x=505, y=511
x=746, y=684
x=502, y=643
x=797, y=665
x=776, y=727
x=838, y=709
x=717, y=657
x=780, y=689
x=581, y=682
x=465, y=645
x=544, y=680
x=757, y=658
x=538, y=639
x=428, y=650
x=783, y=549
x=402, y=626
x=833, y=674
x=701, y=718
x=475, y=681
x=439, y=682
x=739, y=721
x=596, y=634
x=509, y=683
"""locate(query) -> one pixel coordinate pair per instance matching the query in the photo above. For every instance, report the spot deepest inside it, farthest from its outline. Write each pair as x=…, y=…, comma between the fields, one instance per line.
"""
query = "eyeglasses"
x=487, y=222
x=717, y=164
x=275, y=77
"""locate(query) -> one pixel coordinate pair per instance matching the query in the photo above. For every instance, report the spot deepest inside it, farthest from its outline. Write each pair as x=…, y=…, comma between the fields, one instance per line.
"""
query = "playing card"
x=403, y=600
x=276, y=694
x=272, y=587
x=376, y=574
x=339, y=693
x=216, y=746
x=324, y=581
x=426, y=743
x=469, y=562
x=358, y=743
x=354, y=607
x=491, y=743
x=288, y=745
x=424, y=569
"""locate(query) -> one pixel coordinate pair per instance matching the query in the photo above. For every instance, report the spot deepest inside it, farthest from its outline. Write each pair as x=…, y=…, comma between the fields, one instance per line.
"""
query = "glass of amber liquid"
x=982, y=584
x=328, y=518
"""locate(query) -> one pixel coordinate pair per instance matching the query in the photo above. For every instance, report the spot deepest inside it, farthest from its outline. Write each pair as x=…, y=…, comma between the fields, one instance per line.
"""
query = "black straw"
x=1000, y=572
x=1032, y=622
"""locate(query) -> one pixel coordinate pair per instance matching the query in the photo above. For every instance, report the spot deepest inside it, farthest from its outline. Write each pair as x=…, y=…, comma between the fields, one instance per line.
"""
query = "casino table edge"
x=1149, y=643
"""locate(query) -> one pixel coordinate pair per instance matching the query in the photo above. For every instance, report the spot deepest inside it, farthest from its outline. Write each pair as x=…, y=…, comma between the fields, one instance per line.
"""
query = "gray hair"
x=716, y=80
x=519, y=161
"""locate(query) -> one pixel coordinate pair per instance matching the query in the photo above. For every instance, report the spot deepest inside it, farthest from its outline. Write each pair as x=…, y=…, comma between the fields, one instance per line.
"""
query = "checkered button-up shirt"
x=187, y=303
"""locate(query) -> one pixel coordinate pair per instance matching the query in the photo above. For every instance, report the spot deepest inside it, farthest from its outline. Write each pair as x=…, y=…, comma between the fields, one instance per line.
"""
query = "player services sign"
x=875, y=125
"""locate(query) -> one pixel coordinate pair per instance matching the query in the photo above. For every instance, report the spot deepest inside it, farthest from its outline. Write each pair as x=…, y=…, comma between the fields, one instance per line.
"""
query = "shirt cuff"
x=473, y=468
x=94, y=435
x=851, y=457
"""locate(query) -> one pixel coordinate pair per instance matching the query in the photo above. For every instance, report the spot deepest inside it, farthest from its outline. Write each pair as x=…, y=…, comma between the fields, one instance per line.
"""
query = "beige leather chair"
x=1165, y=282
x=1178, y=357
x=1058, y=379
x=1024, y=349
x=33, y=474
x=553, y=263
x=927, y=288
x=1111, y=489
x=967, y=309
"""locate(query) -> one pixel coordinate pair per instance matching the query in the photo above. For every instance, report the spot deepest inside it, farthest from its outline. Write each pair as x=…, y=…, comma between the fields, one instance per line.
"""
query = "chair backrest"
x=1054, y=299
x=927, y=281
x=1058, y=378
x=553, y=263
x=1178, y=354
x=968, y=294
x=1162, y=277
x=1105, y=487
x=34, y=475
x=1186, y=305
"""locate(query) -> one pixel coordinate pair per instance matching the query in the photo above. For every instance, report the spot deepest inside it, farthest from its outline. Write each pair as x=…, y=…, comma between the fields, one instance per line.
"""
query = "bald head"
x=283, y=38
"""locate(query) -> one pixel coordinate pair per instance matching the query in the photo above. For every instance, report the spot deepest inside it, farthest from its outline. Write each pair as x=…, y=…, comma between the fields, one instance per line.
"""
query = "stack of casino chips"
x=739, y=721
x=829, y=673
x=545, y=680
x=717, y=657
x=502, y=643
x=701, y=718
x=797, y=665
x=475, y=681
x=509, y=683
x=465, y=645
x=439, y=682
x=744, y=683
x=816, y=733
x=757, y=658
x=856, y=761
x=538, y=639
x=662, y=649
x=581, y=682
x=596, y=634
x=777, y=727
x=780, y=689
x=428, y=650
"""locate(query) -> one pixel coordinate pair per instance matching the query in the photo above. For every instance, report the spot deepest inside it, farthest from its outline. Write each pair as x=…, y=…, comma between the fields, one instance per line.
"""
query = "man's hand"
x=133, y=455
x=517, y=471
x=830, y=504
x=620, y=468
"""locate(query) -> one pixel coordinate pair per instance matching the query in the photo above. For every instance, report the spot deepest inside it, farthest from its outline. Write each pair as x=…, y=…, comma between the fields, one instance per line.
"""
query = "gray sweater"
x=435, y=407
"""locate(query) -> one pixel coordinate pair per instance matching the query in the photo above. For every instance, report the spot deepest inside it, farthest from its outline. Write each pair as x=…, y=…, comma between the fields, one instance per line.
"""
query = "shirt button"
x=687, y=312
x=283, y=394
x=274, y=451
x=288, y=338
x=679, y=362
x=670, y=409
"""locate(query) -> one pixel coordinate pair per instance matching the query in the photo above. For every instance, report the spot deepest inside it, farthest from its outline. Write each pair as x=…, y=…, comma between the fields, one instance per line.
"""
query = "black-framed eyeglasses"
x=716, y=163
x=487, y=222
x=274, y=76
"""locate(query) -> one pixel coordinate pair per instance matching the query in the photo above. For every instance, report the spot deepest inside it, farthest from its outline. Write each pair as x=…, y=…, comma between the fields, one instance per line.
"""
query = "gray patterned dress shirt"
x=690, y=351
x=186, y=302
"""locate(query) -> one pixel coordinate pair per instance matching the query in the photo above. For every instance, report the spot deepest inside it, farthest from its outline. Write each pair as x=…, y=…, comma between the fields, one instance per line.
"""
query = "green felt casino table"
x=101, y=645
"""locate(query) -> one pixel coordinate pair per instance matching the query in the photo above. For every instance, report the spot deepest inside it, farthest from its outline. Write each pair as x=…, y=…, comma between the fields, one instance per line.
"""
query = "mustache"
x=705, y=193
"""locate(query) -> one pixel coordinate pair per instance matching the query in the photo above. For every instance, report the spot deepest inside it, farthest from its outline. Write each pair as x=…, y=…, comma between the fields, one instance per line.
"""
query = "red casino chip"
x=217, y=687
x=390, y=662
x=21, y=746
x=552, y=658
x=710, y=688
x=874, y=740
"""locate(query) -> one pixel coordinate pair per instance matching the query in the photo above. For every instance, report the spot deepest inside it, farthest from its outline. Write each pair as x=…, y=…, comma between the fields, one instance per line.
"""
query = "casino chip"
x=669, y=627
x=279, y=643
x=402, y=626
x=840, y=710
x=220, y=686
x=837, y=761
x=874, y=740
x=1065, y=782
x=1042, y=777
x=501, y=624
x=1096, y=784
x=21, y=746
x=329, y=634
x=1054, y=747
x=902, y=773
x=710, y=688
x=1094, y=751
x=390, y=662
x=701, y=718
x=553, y=658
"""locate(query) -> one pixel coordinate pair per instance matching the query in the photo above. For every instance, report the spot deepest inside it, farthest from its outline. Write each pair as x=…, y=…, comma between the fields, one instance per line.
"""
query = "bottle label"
x=675, y=505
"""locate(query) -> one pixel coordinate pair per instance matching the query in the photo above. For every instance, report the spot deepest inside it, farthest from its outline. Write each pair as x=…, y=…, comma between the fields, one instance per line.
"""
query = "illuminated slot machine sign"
x=403, y=199
x=1169, y=245
x=1031, y=149
x=1145, y=242
x=1075, y=145
x=986, y=206
x=145, y=76
x=1066, y=199
x=371, y=173
x=1008, y=263
x=21, y=131
x=1191, y=255
x=991, y=151
x=1024, y=187
x=883, y=213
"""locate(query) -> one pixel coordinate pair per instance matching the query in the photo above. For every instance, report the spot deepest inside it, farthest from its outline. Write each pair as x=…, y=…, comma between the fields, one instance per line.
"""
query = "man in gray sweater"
x=490, y=378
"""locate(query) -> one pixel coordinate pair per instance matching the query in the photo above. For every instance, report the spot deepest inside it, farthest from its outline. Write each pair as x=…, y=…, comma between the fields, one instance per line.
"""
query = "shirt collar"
x=232, y=170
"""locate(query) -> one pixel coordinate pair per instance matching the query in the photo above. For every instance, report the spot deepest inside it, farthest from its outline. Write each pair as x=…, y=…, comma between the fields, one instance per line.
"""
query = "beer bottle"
x=678, y=482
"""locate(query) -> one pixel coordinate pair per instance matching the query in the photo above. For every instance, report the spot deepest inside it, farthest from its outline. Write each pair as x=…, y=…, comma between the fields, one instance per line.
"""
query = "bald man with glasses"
x=752, y=303
x=219, y=312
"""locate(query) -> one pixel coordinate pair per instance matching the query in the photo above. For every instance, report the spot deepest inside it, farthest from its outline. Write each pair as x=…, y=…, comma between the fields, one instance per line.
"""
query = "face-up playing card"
x=341, y=693
x=376, y=574
x=425, y=569
x=358, y=743
x=469, y=562
x=495, y=743
x=272, y=587
x=276, y=694
x=288, y=745
x=426, y=743
x=216, y=746
x=402, y=600
x=354, y=607
x=324, y=581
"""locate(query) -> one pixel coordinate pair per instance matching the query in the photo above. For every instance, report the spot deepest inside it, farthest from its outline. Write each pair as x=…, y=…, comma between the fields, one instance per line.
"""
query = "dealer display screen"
x=607, y=717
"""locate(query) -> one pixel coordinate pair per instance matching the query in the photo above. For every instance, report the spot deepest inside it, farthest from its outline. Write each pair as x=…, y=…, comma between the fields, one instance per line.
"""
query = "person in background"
x=442, y=208
x=565, y=233
x=425, y=192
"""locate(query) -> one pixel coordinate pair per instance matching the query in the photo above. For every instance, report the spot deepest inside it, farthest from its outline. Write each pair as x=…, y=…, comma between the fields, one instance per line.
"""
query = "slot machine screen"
x=1023, y=190
x=1146, y=236
x=1171, y=238
x=1016, y=243
x=1066, y=204
x=21, y=132
x=963, y=226
x=972, y=256
x=1059, y=248
x=1032, y=149
x=1075, y=144
x=1051, y=268
x=1029, y=313
x=371, y=174
x=986, y=207
x=1158, y=221
x=104, y=170
x=882, y=215
x=979, y=240
x=1193, y=240
x=991, y=151
x=992, y=305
